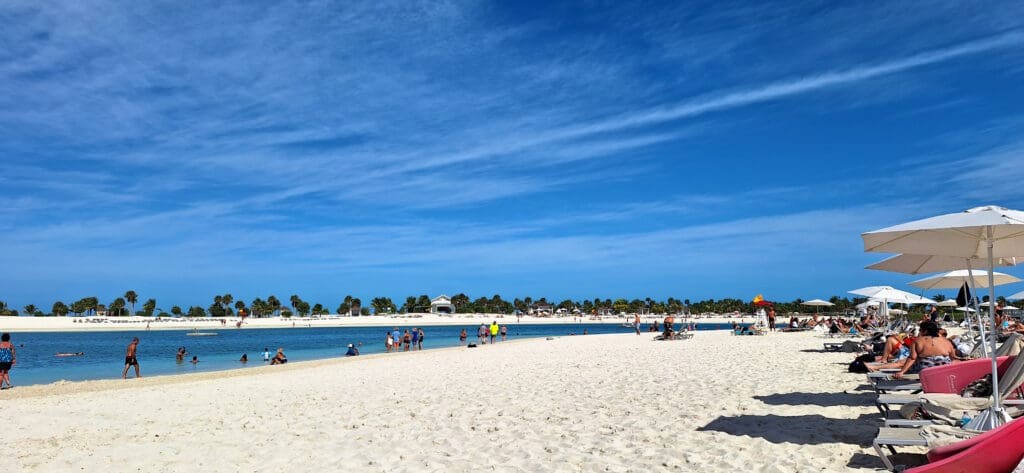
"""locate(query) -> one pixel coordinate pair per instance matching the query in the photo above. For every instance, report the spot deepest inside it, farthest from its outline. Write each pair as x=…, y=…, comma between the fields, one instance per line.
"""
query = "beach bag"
x=978, y=388
x=859, y=366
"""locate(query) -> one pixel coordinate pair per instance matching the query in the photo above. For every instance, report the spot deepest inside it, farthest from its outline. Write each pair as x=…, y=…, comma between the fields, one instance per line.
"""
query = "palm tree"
x=30, y=309
x=131, y=297
x=295, y=300
x=347, y=305
x=149, y=306
x=176, y=311
x=274, y=304
x=59, y=309
x=227, y=299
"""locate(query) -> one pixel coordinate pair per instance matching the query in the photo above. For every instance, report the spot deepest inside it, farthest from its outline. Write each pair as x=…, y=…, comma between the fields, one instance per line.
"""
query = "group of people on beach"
x=912, y=350
x=485, y=332
x=396, y=339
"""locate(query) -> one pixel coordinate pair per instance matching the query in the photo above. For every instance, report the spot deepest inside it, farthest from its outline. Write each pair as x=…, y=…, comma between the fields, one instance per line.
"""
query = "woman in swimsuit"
x=928, y=350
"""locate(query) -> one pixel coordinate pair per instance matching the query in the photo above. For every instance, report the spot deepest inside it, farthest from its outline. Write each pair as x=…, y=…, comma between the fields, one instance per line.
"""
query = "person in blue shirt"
x=352, y=350
x=415, y=339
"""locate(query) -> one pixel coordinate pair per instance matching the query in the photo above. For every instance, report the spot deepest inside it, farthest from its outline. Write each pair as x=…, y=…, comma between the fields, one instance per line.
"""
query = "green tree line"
x=225, y=305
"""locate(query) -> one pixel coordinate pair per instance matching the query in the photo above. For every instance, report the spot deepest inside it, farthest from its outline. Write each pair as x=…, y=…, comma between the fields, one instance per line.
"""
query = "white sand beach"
x=76, y=324
x=716, y=402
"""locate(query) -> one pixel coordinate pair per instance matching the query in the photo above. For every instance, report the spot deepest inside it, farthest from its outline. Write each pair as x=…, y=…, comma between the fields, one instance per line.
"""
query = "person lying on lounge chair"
x=893, y=355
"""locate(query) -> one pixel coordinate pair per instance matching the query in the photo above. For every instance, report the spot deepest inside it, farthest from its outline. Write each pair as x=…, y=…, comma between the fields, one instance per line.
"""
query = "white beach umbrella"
x=817, y=303
x=891, y=294
x=1017, y=296
x=888, y=294
x=947, y=303
x=955, y=279
x=926, y=264
x=965, y=309
x=897, y=311
x=1007, y=307
x=865, y=305
x=988, y=233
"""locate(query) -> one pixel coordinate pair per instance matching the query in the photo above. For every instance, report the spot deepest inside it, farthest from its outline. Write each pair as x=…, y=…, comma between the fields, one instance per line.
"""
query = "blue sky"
x=576, y=150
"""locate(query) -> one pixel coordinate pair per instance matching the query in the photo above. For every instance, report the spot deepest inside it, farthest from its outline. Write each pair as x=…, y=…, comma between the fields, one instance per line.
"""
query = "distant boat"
x=197, y=333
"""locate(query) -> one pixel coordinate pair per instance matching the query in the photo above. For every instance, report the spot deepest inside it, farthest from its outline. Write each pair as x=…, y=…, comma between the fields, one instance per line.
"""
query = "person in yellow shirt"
x=494, y=330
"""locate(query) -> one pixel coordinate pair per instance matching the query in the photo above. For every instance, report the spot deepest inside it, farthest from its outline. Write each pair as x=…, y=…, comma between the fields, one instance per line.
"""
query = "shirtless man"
x=130, y=359
x=636, y=323
x=669, y=321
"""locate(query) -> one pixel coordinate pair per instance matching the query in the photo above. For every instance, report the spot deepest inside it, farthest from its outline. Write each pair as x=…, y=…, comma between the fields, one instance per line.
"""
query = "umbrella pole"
x=977, y=313
x=996, y=417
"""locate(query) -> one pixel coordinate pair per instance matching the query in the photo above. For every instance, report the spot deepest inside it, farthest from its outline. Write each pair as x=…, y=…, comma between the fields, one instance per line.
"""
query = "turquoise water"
x=104, y=351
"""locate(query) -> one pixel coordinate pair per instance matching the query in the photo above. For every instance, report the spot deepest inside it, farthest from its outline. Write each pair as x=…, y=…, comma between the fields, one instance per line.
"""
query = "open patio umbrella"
x=888, y=294
x=1017, y=296
x=947, y=303
x=817, y=303
x=955, y=279
x=988, y=233
x=926, y=264
x=1007, y=306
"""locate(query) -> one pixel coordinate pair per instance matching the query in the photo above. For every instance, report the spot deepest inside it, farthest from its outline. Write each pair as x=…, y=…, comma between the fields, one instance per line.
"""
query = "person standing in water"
x=494, y=330
x=130, y=359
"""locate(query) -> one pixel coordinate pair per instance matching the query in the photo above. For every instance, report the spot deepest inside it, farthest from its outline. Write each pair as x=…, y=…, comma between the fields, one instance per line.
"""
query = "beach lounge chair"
x=948, y=408
x=952, y=378
x=999, y=450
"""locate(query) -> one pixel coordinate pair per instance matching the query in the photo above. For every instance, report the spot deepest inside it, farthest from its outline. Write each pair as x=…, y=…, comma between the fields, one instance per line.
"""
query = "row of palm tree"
x=225, y=305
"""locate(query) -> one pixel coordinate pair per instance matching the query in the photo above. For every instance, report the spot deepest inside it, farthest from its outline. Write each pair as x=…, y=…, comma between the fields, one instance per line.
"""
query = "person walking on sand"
x=130, y=359
x=636, y=323
x=771, y=318
x=481, y=334
x=494, y=330
x=8, y=358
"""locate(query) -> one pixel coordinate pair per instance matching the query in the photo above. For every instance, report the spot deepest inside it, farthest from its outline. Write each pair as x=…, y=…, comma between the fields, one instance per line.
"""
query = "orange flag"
x=758, y=298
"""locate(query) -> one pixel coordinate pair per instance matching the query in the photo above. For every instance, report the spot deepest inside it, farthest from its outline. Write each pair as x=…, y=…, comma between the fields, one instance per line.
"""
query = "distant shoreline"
x=135, y=323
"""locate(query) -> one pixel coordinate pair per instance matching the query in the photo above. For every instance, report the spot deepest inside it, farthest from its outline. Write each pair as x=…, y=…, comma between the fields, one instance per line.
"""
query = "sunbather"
x=928, y=350
x=893, y=355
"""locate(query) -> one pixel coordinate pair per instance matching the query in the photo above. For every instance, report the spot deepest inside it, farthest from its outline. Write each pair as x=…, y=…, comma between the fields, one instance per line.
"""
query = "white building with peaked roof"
x=442, y=305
